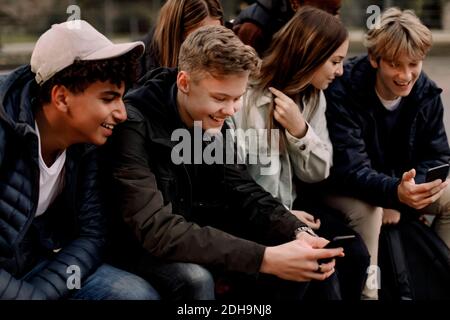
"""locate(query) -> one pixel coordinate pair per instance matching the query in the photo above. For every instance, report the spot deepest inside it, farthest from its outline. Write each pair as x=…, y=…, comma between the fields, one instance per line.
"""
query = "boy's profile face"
x=92, y=115
x=396, y=78
x=210, y=99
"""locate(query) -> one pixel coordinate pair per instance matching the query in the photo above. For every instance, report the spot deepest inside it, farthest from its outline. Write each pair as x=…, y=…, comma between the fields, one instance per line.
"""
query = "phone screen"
x=440, y=172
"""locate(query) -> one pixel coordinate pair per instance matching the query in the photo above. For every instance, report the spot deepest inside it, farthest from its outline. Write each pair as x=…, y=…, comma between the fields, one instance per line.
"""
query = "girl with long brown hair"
x=303, y=59
x=286, y=98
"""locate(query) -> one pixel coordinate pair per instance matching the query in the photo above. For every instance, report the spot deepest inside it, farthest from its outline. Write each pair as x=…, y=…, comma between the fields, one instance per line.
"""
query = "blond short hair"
x=218, y=51
x=400, y=32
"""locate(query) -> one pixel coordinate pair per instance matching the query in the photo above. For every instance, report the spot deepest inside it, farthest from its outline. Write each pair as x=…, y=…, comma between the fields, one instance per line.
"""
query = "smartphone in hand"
x=439, y=172
x=337, y=242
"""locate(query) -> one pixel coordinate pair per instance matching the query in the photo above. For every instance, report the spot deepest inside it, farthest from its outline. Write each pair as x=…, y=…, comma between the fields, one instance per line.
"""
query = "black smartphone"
x=340, y=241
x=439, y=172
x=337, y=242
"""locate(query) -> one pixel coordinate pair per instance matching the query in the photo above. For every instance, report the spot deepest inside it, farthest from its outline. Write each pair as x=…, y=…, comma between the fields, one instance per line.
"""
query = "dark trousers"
x=351, y=270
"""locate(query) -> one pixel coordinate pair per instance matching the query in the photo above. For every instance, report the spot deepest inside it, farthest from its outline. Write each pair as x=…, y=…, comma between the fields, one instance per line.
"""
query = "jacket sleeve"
x=14, y=289
x=352, y=173
x=2, y=144
x=85, y=251
x=265, y=216
x=162, y=232
x=312, y=155
x=432, y=147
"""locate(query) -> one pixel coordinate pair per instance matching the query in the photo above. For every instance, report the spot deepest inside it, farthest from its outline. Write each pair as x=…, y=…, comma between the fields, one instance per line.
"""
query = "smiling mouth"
x=402, y=84
x=220, y=120
x=107, y=126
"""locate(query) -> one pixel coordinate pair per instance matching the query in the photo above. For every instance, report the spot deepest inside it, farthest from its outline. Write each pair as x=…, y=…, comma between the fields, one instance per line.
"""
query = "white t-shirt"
x=390, y=105
x=51, y=180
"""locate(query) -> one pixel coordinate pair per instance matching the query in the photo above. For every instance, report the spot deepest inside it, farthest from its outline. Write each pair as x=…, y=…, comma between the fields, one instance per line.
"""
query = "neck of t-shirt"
x=390, y=105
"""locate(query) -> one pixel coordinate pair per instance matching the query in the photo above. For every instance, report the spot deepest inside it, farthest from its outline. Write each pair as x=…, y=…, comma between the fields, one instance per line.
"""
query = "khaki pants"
x=441, y=209
x=367, y=220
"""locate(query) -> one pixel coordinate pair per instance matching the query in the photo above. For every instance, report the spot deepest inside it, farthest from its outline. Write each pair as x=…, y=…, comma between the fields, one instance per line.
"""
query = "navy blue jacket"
x=74, y=222
x=360, y=166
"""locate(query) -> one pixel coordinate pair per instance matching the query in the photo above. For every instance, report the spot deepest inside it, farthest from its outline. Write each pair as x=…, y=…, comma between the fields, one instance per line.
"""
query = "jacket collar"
x=360, y=76
x=17, y=100
x=156, y=101
x=264, y=100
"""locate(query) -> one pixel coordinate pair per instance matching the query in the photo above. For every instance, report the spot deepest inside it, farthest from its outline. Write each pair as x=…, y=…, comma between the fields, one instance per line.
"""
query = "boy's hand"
x=418, y=196
x=391, y=217
x=307, y=219
x=297, y=260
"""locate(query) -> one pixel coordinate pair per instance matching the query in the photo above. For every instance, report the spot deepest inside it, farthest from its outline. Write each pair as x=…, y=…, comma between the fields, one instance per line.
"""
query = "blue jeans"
x=178, y=281
x=108, y=283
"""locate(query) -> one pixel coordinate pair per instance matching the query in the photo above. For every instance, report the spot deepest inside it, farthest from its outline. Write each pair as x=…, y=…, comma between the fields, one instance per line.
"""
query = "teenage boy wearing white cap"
x=52, y=115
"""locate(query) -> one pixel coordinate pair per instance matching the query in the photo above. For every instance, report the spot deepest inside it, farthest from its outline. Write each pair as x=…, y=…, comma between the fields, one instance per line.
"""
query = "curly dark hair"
x=81, y=74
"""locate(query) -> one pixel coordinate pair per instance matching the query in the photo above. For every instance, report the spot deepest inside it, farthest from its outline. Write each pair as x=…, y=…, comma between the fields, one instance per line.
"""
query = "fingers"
x=277, y=115
x=321, y=271
x=308, y=216
x=320, y=254
x=314, y=225
x=316, y=242
x=428, y=187
x=282, y=107
x=422, y=195
x=411, y=174
x=277, y=92
x=431, y=199
x=317, y=276
x=282, y=101
x=421, y=201
x=316, y=271
x=391, y=216
x=326, y=267
x=436, y=186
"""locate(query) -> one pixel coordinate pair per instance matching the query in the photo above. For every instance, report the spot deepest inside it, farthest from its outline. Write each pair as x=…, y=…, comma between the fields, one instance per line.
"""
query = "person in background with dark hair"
x=176, y=20
x=52, y=230
x=257, y=23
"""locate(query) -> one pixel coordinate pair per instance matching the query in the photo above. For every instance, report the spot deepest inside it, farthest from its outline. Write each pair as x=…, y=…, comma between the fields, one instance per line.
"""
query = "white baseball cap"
x=67, y=42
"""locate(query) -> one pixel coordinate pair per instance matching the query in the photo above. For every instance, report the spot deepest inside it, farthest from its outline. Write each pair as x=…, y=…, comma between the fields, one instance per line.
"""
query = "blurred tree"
x=19, y=12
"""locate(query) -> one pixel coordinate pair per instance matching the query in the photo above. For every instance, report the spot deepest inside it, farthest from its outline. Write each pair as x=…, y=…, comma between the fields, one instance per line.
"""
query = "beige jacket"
x=308, y=158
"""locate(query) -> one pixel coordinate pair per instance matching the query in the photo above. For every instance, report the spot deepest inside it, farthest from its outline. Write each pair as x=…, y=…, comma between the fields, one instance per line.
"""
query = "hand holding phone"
x=439, y=172
x=337, y=242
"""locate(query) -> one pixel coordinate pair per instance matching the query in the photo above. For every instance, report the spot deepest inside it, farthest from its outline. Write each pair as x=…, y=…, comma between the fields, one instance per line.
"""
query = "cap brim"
x=117, y=50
